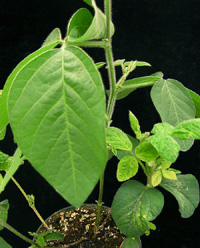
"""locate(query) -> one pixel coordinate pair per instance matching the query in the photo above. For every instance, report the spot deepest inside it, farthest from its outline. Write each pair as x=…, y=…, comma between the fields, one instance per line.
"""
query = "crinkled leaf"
x=196, y=100
x=4, y=206
x=156, y=178
x=6, y=165
x=60, y=127
x=166, y=146
x=135, y=83
x=186, y=191
x=117, y=139
x=4, y=244
x=162, y=128
x=83, y=26
x=146, y=152
x=135, y=126
x=127, y=168
x=174, y=105
x=120, y=153
x=54, y=36
x=169, y=174
x=134, y=205
x=186, y=128
x=132, y=243
x=3, y=99
x=15, y=163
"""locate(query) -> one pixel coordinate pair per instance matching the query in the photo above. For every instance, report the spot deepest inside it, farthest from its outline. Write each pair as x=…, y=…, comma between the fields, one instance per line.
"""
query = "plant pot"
x=78, y=228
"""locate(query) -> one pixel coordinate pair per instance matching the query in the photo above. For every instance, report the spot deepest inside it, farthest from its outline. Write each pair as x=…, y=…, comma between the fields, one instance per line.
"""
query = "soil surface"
x=78, y=229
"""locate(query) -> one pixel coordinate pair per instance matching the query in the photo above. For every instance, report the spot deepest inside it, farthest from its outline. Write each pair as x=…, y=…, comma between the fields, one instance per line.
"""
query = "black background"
x=165, y=34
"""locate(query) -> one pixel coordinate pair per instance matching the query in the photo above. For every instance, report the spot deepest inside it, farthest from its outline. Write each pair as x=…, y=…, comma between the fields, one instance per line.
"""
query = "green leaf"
x=169, y=174
x=132, y=243
x=146, y=152
x=15, y=163
x=135, y=126
x=54, y=36
x=83, y=26
x=156, y=178
x=187, y=128
x=89, y=2
x=4, y=244
x=57, y=114
x=174, y=105
x=120, y=153
x=135, y=83
x=162, y=128
x=134, y=205
x=117, y=139
x=100, y=64
x=127, y=168
x=4, y=206
x=166, y=146
x=40, y=241
x=53, y=236
x=196, y=100
x=3, y=99
x=186, y=191
x=6, y=165
x=3, y=157
x=2, y=133
x=138, y=63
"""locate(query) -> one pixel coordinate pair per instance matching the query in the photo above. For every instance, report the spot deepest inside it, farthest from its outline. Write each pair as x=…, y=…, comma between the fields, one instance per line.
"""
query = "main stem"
x=112, y=96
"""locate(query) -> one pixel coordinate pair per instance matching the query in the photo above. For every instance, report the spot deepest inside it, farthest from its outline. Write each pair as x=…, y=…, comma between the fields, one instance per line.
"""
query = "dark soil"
x=78, y=228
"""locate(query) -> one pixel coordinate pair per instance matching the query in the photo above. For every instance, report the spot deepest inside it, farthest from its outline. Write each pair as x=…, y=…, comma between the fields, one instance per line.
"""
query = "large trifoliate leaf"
x=174, y=105
x=57, y=114
x=4, y=206
x=134, y=205
x=186, y=191
x=3, y=99
x=83, y=26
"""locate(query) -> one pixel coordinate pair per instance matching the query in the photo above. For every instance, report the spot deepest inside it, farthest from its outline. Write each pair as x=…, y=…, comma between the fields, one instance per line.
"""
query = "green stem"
x=30, y=204
x=10, y=228
x=112, y=96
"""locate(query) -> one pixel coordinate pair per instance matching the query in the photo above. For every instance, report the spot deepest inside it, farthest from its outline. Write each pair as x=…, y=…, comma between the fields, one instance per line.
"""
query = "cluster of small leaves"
x=49, y=235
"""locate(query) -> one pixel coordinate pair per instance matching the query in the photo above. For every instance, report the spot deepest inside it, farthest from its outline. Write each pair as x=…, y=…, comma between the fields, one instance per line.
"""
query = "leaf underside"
x=57, y=102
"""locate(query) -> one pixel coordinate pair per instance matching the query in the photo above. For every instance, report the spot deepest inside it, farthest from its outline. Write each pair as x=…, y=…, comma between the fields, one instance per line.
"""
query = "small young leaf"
x=138, y=63
x=186, y=191
x=100, y=64
x=83, y=26
x=156, y=178
x=15, y=163
x=169, y=174
x=117, y=139
x=135, y=125
x=120, y=153
x=3, y=157
x=6, y=165
x=40, y=241
x=181, y=134
x=54, y=36
x=134, y=205
x=135, y=83
x=127, y=168
x=132, y=243
x=146, y=152
x=165, y=164
x=53, y=236
x=166, y=146
x=4, y=206
x=4, y=244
